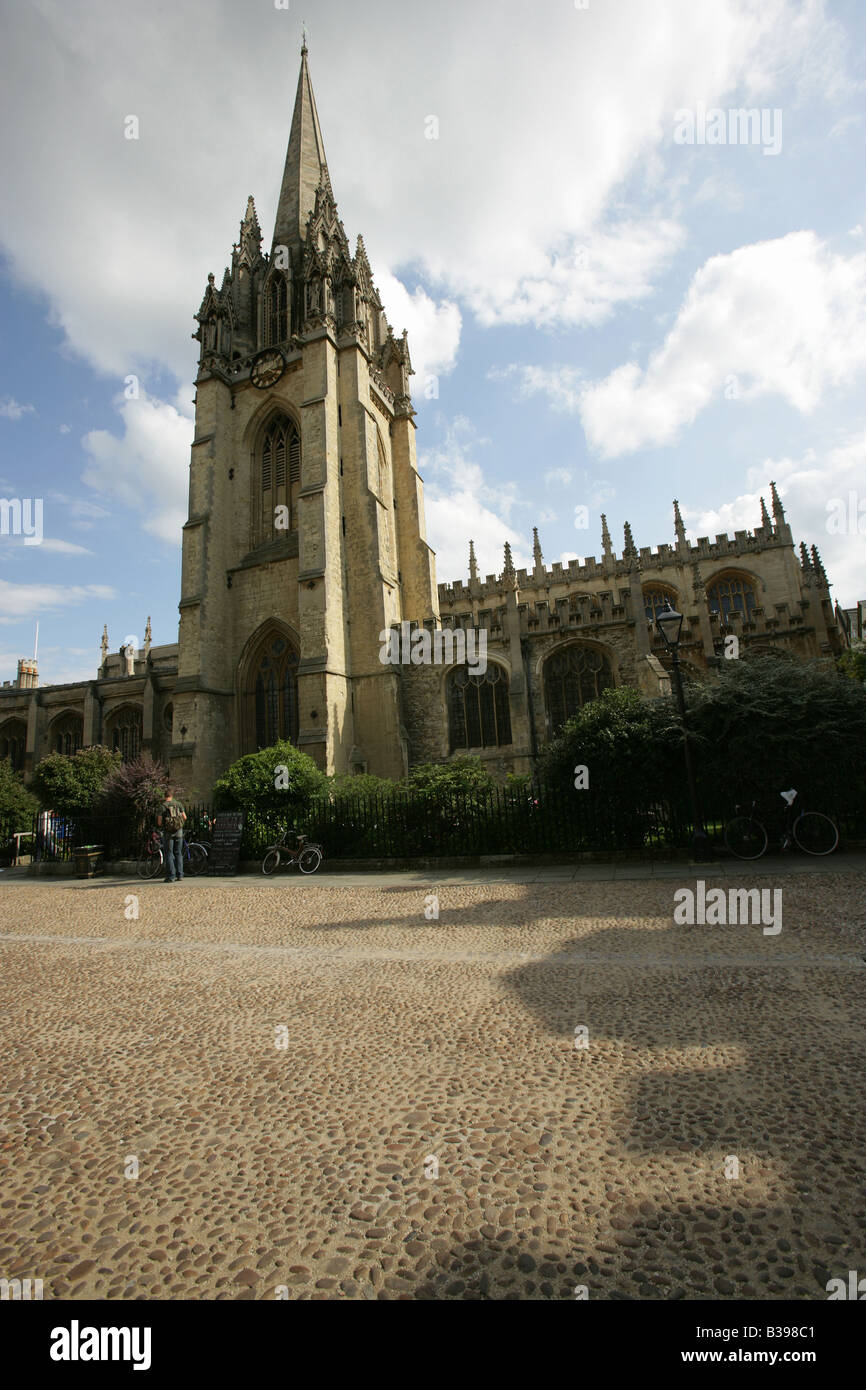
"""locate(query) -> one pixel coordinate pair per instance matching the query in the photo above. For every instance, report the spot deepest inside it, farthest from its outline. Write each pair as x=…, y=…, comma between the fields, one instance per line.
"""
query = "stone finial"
x=537, y=556
x=104, y=646
x=630, y=550
x=508, y=572
x=605, y=538
x=147, y=638
x=818, y=564
x=805, y=562
x=778, y=509
x=765, y=516
x=473, y=564
x=679, y=528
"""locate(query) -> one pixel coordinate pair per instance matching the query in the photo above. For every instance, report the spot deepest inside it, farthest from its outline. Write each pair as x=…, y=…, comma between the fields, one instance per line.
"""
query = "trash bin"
x=88, y=860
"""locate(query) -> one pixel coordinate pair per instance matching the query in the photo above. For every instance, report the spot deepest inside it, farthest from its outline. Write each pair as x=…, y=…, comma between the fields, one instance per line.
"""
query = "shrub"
x=464, y=775
x=137, y=787
x=275, y=782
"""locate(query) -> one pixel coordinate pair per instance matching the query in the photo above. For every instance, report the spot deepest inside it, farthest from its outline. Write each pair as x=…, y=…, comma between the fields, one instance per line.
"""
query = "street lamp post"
x=669, y=623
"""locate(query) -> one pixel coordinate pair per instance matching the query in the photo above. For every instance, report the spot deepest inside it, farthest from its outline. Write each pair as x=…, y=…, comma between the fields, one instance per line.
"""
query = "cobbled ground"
x=326, y=1095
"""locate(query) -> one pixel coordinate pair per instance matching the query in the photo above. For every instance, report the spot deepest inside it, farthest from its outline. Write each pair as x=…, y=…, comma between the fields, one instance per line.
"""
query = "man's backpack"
x=173, y=818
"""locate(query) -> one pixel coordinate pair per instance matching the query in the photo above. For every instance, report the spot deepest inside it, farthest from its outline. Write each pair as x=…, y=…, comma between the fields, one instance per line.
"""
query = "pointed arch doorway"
x=269, y=690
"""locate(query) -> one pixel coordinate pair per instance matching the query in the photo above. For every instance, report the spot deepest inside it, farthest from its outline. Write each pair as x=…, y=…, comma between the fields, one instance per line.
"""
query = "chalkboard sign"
x=225, y=853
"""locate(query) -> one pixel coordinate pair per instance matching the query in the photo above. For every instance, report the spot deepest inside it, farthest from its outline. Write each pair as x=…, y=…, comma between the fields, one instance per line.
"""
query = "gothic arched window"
x=279, y=478
x=277, y=325
x=13, y=742
x=573, y=677
x=67, y=733
x=656, y=597
x=123, y=731
x=479, y=715
x=732, y=593
x=271, y=696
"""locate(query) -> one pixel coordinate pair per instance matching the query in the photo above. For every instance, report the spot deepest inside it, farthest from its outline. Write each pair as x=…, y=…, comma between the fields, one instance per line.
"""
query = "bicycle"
x=150, y=861
x=811, y=831
x=306, y=855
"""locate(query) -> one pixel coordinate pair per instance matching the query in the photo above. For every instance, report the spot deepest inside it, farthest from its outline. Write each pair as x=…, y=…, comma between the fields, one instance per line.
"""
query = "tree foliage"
x=72, y=785
x=16, y=802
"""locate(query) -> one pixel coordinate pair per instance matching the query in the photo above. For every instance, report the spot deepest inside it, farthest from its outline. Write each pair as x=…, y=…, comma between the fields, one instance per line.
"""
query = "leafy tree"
x=16, y=802
x=276, y=781
x=72, y=785
x=625, y=742
x=773, y=722
x=853, y=663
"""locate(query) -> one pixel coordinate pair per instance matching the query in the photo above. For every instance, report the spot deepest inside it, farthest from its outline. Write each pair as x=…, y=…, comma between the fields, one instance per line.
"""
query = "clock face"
x=267, y=368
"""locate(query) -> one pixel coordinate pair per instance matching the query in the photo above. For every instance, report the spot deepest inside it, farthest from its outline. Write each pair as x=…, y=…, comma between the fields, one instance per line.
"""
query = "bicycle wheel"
x=815, y=833
x=271, y=861
x=197, y=862
x=309, y=860
x=745, y=837
x=150, y=863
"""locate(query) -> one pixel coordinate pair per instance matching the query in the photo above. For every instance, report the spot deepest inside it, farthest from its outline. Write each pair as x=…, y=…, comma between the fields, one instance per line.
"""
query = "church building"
x=305, y=542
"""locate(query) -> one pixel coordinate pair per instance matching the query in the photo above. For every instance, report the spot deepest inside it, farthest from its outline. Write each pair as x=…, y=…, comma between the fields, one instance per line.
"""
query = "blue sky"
x=599, y=314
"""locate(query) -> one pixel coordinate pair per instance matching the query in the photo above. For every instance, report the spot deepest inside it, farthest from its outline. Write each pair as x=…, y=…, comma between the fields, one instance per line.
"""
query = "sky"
x=617, y=291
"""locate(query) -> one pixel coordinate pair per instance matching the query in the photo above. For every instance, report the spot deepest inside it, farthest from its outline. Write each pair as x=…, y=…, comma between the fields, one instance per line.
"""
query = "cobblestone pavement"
x=325, y=1094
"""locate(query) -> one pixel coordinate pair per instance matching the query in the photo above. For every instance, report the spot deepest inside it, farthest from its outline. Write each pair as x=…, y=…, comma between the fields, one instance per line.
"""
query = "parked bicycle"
x=305, y=854
x=811, y=831
x=150, y=862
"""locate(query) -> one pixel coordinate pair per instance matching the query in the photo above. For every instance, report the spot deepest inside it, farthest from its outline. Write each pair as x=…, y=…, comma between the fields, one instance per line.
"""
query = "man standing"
x=171, y=819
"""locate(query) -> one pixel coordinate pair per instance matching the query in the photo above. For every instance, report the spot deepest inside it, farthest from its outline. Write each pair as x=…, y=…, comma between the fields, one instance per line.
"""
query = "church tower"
x=305, y=537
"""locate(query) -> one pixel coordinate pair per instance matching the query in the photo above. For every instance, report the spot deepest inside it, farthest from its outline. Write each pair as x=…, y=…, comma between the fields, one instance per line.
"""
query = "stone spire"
x=473, y=564
x=538, y=558
x=104, y=645
x=305, y=167
x=778, y=509
x=805, y=562
x=678, y=524
x=147, y=638
x=765, y=517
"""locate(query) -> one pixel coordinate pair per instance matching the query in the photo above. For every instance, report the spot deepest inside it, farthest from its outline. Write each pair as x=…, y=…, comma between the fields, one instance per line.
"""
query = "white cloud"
x=49, y=543
x=461, y=506
x=808, y=488
x=65, y=429
x=147, y=467
x=561, y=385
x=784, y=317
x=433, y=327
x=558, y=477
x=19, y=601
x=11, y=410
x=513, y=211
